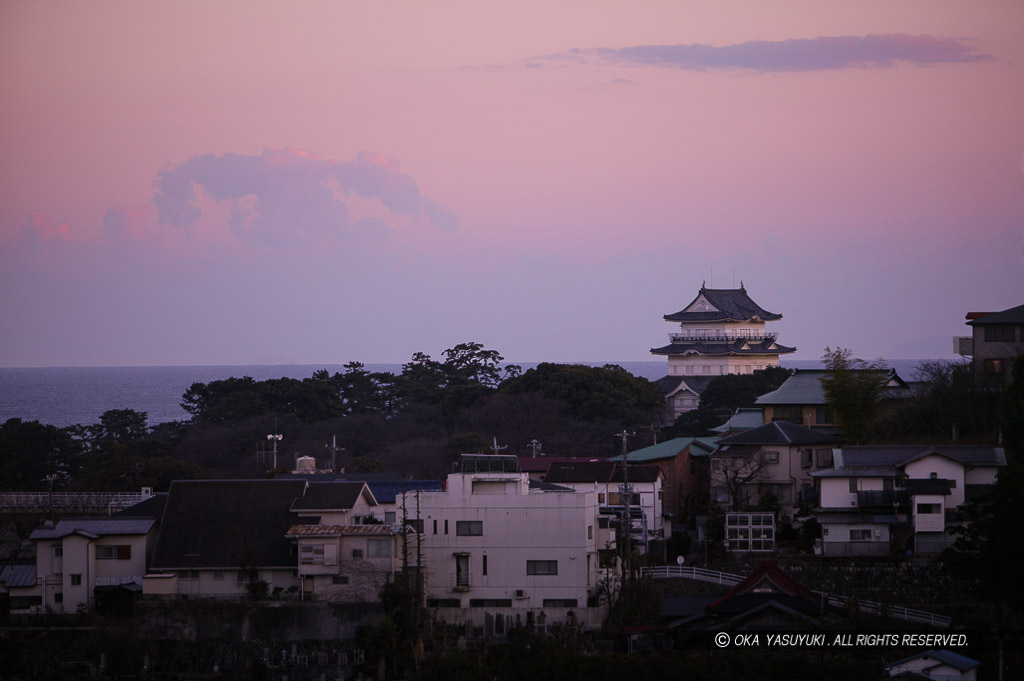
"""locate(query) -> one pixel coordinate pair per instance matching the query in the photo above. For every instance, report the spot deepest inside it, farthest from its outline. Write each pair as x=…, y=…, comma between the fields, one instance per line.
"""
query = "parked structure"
x=770, y=463
x=684, y=467
x=721, y=331
x=996, y=341
x=492, y=548
x=801, y=399
x=877, y=500
x=78, y=560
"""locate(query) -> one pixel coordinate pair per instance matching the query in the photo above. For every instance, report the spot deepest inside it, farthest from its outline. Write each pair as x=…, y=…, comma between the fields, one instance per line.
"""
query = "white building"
x=878, y=500
x=495, y=552
x=78, y=558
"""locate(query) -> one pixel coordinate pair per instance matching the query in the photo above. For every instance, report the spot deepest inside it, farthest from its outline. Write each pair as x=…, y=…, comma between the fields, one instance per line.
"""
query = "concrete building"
x=996, y=341
x=495, y=552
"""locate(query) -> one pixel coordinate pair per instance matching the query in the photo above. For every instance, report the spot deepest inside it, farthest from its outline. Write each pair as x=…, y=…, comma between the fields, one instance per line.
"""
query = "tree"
x=607, y=393
x=33, y=452
x=735, y=474
x=119, y=425
x=853, y=389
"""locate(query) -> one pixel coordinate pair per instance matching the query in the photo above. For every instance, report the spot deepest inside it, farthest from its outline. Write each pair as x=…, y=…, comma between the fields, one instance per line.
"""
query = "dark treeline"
x=415, y=422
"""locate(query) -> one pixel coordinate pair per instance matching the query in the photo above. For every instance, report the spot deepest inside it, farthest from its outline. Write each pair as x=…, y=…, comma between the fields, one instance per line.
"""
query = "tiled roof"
x=672, y=384
x=743, y=419
x=944, y=656
x=18, y=575
x=227, y=524
x=342, y=531
x=1014, y=315
x=804, y=387
x=733, y=304
x=900, y=455
x=99, y=527
x=779, y=433
x=332, y=496
x=739, y=346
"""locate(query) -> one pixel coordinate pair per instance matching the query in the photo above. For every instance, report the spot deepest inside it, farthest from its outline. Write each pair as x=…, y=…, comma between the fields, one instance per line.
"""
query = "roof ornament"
x=742, y=287
x=702, y=282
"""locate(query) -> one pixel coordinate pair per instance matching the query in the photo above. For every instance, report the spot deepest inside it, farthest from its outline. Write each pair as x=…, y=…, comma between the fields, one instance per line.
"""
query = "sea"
x=66, y=396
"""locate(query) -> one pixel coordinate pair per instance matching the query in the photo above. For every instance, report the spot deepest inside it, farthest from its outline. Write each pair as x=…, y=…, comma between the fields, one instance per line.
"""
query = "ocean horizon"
x=66, y=396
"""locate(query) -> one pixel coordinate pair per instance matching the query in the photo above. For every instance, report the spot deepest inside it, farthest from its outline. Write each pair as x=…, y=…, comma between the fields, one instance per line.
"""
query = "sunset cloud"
x=286, y=194
x=824, y=53
x=40, y=226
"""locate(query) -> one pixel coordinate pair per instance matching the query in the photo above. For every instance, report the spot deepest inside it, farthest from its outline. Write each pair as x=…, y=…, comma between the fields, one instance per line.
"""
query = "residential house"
x=218, y=537
x=771, y=465
x=801, y=398
x=497, y=551
x=79, y=559
x=607, y=479
x=937, y=665
x=996, y=341
x=684, y=466
x=721, y=331
x=877, y=500
x=347, y=563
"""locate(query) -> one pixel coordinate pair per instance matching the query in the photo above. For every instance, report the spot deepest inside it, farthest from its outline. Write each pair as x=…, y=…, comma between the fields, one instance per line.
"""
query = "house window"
x=357, y=553
x=805, y=458
x=247, y=576
x=435, y=526
x=689, y=369
x=600, y=497
x=218, y=574
x=822, y=415
x=490, y=602
x=378, y=547
x=769, y=457
x=721, y=495
x=390, y=517
x=542, y=567
x=446, y=526
x=188, y=575
x=484, y=567
x=994, y=366
x=998, y=334
x=469, y=528
x=853, y=485
x=58, y=551
x=416, y=524
x=860, y=535
x=561, y=603
x=76, y=580
x=58, y=597
x=824, y=457
x=122, y=552
x=339, y=579
x=603, y=523
x=311, y=554
x=590, y=531
x=928, y=509
x=785, y=412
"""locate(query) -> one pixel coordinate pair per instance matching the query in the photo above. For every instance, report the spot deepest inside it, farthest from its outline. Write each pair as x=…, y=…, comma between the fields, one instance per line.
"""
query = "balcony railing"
x=727, y=337
x=881, y=498
x=460, y=582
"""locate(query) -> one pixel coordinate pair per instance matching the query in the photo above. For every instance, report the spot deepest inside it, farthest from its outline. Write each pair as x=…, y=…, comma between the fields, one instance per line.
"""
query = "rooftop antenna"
x=534, y=447
x=496, y=448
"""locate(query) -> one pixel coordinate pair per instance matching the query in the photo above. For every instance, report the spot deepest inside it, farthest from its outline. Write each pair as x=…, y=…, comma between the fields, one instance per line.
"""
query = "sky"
x=249, y=182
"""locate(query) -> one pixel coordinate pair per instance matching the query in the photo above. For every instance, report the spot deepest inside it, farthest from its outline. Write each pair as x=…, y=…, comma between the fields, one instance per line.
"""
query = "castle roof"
x=737, y=346
x=722, y=305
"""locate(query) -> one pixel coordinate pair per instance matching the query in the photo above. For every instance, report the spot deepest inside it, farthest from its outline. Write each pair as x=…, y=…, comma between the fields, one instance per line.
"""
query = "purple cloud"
x=281, y=195
x=798, y=54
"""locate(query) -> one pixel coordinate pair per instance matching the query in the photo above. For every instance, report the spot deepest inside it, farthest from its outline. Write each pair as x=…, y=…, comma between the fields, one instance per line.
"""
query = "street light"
x=276, y=439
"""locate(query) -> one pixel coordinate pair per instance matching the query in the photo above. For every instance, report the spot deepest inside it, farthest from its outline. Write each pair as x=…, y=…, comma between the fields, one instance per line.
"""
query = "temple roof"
x=739, y=346
x=722, y=305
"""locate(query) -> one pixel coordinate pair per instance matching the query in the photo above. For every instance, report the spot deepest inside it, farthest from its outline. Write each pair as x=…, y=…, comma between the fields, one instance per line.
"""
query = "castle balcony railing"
x=721, y=338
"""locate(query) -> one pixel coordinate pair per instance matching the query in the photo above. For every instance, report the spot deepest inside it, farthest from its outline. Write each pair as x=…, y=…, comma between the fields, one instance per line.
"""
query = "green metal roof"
x=669, y=449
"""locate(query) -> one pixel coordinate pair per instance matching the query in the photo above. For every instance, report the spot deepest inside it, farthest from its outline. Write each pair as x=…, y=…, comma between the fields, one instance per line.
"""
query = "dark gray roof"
x=779, y=433
x=227, y=524
x=804, y=387
x=599, y=471
x=670, y=384
x=856, y=472
x=732, y=304
x=877, y=456
x=331, y=496
x=1014, y=315
x=745, y=418
x=740, y=346
x=385, y=492
x=943, y=656
x=18, y=575
x=99, y=527
x=152, y=507
x=548, y=487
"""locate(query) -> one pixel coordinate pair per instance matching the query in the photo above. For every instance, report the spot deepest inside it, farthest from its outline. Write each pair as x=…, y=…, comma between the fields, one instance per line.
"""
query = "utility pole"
x=276, y=439
x=626, y=492
x=534, y=447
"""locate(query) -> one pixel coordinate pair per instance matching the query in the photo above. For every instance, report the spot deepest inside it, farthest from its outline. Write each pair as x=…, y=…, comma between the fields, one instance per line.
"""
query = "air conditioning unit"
x=521, y=594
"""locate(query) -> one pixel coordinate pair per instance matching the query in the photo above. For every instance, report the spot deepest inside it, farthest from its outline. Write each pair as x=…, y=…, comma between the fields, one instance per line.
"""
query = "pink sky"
x=238, y=182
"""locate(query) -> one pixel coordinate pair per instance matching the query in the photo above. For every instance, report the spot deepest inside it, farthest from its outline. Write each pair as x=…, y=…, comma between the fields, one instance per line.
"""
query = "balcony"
x=460, y=582
x=721, y=338
x=881, y=498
